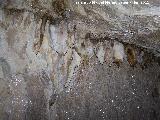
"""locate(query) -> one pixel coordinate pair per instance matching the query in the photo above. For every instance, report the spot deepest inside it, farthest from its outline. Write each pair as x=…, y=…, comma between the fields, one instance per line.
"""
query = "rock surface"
x=66, y=59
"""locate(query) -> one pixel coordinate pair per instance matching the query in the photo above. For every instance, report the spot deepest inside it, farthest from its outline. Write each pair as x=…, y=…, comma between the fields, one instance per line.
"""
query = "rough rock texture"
x=61, y=59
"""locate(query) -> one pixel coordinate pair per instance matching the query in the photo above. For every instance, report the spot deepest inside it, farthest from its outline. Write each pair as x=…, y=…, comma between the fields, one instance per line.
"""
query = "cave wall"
x=60, y=60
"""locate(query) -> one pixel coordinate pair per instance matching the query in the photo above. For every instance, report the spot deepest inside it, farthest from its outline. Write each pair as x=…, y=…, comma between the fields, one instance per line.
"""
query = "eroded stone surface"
x=72, y=73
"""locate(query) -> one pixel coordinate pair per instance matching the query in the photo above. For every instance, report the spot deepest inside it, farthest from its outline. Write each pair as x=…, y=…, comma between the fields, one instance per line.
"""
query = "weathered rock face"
x=69, y=60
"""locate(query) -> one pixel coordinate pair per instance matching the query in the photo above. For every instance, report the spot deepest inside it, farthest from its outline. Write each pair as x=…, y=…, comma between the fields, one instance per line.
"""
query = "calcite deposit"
x=79, y=60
